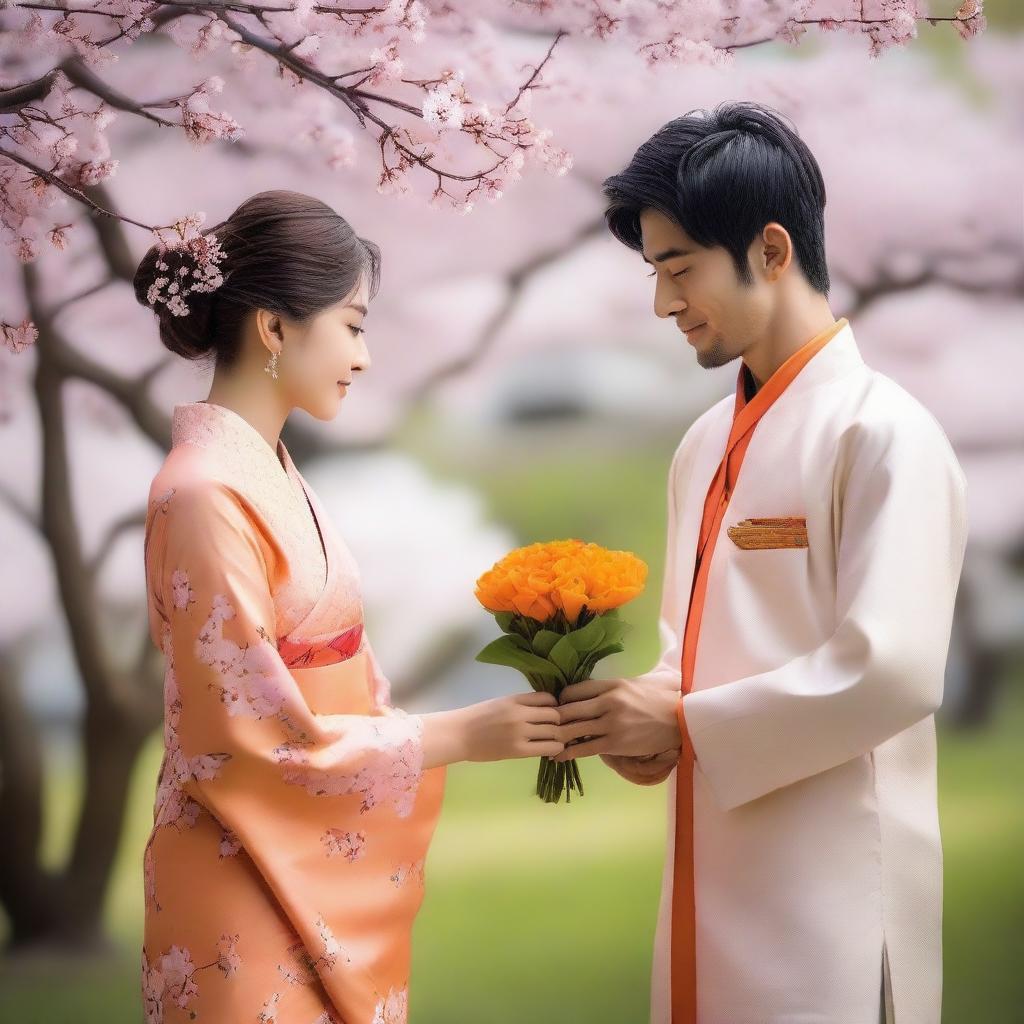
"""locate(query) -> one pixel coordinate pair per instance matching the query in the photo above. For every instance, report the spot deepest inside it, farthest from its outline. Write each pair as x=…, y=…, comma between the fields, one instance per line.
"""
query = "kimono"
x=803, y=869
x=285, y=865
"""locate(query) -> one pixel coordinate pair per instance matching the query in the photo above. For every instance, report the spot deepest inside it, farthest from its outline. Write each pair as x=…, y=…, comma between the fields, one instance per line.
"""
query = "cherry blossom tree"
x=467, y=129
x=441, y=103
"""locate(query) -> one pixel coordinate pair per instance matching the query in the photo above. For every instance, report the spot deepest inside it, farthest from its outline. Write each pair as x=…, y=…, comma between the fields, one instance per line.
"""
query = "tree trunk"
x=26, y=891
x=111, y=748
x=59, y=912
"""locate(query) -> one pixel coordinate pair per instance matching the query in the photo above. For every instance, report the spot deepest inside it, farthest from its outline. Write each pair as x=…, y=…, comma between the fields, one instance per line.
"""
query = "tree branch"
x=18, y=96
x=887, y=283
x=516, y=281
x=129, y=521
x=15, y=503
x=108, y=693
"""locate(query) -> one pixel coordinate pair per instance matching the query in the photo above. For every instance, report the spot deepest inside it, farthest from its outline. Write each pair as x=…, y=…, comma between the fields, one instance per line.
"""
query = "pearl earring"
x=271, y=366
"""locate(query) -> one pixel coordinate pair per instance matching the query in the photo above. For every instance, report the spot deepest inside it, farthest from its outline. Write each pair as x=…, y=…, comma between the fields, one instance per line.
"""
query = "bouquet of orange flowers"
x=557, y=605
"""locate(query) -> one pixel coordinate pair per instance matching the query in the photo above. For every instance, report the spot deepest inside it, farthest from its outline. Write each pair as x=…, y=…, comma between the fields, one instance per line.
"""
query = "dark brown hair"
x=284, y=251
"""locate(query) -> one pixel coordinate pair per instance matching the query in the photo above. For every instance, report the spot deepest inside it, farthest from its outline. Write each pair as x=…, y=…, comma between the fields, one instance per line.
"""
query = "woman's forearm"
x=445, y=737
x=520, y=725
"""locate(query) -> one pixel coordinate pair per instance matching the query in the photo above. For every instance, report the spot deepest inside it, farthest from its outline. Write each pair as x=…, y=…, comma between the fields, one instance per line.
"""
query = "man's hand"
x=631, y=717
x=643, y=771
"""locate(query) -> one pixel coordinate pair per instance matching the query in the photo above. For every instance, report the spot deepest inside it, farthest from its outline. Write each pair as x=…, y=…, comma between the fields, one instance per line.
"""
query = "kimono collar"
x=238, y=455
x=827, y=354
x=208, y=425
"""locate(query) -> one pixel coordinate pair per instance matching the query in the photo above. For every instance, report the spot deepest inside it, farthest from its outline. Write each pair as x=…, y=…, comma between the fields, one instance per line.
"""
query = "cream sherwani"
x=817, y=855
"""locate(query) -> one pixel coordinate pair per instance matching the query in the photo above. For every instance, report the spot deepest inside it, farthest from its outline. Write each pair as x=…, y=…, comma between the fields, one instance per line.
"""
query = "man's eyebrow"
x=669, y=254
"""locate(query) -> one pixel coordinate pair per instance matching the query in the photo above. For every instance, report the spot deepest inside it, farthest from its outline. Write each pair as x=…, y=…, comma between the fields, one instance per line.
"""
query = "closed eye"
x=678, y=273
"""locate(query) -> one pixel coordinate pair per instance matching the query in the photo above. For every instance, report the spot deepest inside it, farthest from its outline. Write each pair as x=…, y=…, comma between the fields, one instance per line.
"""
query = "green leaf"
x=615, y=630
x=590, y=661
x=587, y=638
x=504, y=621
x=544, y=640
x=504, y=651
x=565, y=656
x=603, y=652
x=528, y=627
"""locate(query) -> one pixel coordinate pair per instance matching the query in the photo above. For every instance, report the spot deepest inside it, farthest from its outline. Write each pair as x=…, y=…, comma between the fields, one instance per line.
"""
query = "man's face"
x=699, y=288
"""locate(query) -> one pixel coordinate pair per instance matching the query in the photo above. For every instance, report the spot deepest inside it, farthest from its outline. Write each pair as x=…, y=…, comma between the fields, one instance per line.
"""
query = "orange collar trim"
x=746, y=414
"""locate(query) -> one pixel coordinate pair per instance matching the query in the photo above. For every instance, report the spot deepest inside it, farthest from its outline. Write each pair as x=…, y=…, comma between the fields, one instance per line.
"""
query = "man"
x=805, y=615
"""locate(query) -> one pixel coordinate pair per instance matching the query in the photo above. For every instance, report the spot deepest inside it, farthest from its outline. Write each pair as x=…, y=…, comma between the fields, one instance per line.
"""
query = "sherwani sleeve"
x=243, y=742
x=668, y=670
x=672, y=613
x=902, y=531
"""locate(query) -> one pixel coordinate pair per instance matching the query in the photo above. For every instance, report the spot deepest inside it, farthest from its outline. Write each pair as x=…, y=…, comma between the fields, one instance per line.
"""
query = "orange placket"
x=746, y=416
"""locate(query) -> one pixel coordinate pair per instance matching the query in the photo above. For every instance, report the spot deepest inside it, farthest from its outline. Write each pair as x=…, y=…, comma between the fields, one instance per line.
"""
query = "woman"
x=295, y=805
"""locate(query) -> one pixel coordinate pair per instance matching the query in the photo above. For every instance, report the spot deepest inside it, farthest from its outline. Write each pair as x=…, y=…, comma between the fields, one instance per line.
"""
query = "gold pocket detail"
x=782, y=532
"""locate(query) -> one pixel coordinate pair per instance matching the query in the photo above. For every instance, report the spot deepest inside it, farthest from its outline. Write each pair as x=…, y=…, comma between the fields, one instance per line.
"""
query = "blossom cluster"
x=198, y=267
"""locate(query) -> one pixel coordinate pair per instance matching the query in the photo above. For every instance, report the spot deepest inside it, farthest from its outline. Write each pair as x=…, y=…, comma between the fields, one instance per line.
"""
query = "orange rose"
x=563, y=575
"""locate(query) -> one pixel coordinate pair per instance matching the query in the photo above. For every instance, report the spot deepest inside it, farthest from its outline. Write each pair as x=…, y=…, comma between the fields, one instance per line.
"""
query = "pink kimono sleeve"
x=242, y=740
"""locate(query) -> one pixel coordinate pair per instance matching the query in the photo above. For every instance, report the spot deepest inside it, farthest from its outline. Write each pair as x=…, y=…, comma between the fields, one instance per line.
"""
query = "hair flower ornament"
x=192, y=262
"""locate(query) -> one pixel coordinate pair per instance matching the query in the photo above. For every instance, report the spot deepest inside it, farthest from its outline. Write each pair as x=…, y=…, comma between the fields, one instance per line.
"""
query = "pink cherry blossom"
x=268, y=1013
x=348, y=844
x=228, y=960
x=183, y=595
x=153, y=985
x=177, y=969
x=250, y=677
x=386, y=768
x=391, y=101
x=230, y=844
x=393, y=1008
x=18, y=337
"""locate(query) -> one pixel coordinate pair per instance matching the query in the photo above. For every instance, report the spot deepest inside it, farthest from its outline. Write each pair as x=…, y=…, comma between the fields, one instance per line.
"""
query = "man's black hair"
x=722, y=175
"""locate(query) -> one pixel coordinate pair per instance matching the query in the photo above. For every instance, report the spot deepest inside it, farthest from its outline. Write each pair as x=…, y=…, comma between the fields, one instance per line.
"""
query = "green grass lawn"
x=981, y=810
x=546, y=913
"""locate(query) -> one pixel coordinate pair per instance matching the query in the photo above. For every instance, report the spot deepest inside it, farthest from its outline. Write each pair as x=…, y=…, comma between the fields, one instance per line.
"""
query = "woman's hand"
x=523, y=725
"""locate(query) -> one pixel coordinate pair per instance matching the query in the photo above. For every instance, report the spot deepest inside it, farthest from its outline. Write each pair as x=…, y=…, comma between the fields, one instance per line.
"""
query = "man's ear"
x=776, y=251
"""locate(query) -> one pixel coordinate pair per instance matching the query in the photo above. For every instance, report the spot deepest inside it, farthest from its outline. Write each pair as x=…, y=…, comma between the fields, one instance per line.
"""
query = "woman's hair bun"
x=185, y=324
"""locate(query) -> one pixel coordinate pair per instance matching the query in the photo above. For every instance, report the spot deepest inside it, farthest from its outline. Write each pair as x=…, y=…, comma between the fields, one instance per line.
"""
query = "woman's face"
x=319, y=360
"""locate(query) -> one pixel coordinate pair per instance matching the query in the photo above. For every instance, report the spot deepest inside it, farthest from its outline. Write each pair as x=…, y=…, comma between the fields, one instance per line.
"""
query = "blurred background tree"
x=521, y=390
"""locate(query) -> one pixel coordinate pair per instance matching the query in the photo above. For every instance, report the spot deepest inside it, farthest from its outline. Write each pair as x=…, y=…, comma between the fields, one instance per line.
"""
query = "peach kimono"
x=806, y=614
x=285, y=866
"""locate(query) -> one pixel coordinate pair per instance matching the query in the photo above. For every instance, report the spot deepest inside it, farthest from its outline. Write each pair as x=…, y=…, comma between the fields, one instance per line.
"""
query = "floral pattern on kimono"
x=269, y=873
